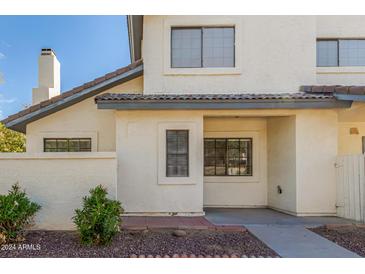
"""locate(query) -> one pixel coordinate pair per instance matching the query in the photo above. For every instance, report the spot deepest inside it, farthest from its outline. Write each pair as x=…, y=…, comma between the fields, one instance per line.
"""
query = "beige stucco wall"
x=58, y=181
x=281, y=139
x=316, y=150
x=341, y=27
x=301, y=155
x=81, y=120
x=240, y=191
x=290, y=145
x=142, y=185
x=351, y=129
x=273, y=54
x=350, y=143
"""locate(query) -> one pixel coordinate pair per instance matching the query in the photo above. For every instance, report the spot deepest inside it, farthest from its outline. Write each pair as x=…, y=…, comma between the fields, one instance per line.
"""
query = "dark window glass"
x=341, y=52
x=363, y=144
x=202, y=47
x=228, y=157
x=67, y=144
x=177, y=153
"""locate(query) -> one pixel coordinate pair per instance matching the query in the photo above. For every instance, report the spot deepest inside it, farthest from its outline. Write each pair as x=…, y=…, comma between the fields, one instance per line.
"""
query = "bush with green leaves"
x=16, y=214
x=11, y=141
x=99, y=219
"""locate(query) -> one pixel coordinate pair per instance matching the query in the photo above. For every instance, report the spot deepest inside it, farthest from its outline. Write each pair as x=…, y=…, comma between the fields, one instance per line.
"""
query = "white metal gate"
x=350, y=187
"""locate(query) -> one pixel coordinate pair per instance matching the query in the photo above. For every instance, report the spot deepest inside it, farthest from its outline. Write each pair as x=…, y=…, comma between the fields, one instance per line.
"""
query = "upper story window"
x=202, y=47
x=67, y=144
x=340, y=52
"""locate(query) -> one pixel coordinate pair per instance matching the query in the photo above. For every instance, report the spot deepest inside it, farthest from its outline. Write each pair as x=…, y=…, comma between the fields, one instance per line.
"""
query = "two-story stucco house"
x=214, y=111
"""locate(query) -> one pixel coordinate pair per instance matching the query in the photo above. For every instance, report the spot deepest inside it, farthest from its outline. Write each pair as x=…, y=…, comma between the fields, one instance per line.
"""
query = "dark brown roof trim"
x=219, y=101
x=19, y=120
x=335, y=89
x=348, y=93
x=135, y=35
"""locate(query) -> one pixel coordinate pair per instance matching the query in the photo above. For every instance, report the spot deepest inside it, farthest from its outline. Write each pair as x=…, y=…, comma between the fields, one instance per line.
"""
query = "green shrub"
x=99, y=219
x=11, y=141
x=16, y=214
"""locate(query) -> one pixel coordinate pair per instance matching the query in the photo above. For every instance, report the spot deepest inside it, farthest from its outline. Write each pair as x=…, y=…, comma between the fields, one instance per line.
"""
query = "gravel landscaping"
x=127, y=243
x=351, y=237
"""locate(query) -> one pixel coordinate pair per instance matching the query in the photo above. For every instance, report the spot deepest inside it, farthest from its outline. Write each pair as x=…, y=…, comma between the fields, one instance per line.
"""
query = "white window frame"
x=192, y=177
x=255, y=178
x=204, y=21
x=339, y=69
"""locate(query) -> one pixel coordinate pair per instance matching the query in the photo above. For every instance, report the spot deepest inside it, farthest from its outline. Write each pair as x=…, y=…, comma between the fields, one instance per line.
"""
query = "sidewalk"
x=295, y=241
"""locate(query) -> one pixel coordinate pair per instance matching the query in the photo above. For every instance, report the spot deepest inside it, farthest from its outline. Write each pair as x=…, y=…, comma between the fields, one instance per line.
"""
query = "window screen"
x=218, y=47
x=341, y=52
x=352, y=52
x=327, y=53
x=177, y=153
x=202, y=47
x=186, y=48
x=228, y=157
x=67, y=144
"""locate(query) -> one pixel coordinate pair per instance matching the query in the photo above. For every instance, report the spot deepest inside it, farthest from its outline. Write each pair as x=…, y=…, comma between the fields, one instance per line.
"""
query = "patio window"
x=228, y=157
x=67, y=144
x=177, y=153
x=202, y=47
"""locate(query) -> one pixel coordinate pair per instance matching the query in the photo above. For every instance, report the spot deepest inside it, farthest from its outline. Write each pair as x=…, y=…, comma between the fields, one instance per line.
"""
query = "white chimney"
x=49, y=77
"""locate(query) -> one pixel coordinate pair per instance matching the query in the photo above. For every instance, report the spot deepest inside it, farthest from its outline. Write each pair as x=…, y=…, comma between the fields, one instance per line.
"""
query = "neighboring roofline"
x=241, y=104
x=135, y=34
x=19, y=120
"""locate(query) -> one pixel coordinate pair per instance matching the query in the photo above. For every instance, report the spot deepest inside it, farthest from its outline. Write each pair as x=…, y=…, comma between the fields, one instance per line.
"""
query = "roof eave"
x=135, y=33
x=20, y=123
x=242, y=104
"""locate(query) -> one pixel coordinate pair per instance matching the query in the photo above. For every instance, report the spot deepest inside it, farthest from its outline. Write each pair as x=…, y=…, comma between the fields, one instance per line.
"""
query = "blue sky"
x=86, y=46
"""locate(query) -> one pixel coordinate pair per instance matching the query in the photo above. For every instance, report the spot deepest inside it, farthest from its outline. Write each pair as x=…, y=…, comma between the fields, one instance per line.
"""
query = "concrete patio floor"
x=256, y=216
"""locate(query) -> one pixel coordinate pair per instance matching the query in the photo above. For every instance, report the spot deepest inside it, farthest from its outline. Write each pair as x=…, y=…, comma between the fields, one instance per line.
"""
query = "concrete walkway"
x=295, y=241
x=285, y=234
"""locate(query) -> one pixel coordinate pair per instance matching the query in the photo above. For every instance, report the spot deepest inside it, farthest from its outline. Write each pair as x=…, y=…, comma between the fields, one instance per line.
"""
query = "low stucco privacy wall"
x=58, y=181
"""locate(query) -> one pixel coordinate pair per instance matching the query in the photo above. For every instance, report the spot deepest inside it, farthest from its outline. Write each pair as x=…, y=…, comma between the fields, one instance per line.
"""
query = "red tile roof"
x=118, y=97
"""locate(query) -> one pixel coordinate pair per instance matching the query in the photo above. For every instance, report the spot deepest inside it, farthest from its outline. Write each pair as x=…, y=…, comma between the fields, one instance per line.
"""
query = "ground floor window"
x=228, y=157
x=67, y=145
x=177, y=153
x=363, y=144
